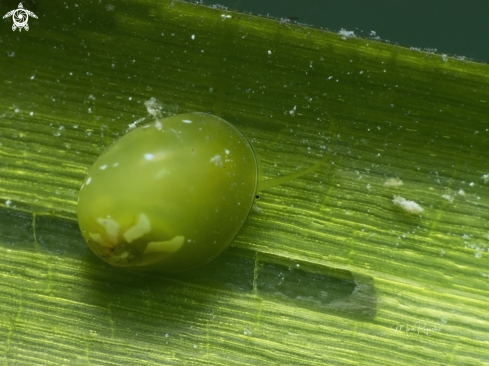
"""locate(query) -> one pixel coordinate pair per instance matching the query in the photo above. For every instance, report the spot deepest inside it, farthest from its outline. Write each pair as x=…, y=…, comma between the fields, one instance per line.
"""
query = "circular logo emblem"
x=20, y=17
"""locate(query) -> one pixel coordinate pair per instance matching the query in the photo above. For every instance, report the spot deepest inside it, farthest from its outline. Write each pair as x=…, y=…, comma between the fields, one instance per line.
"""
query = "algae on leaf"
x=326, y=270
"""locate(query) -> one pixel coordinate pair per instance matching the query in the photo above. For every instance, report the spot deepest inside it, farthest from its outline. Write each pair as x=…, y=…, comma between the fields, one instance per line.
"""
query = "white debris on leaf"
x=345, y=34
x=154, y=107
x=135, y=123
x=393, y=182
x=485, y=177
x=448, y=197
x=409, y=206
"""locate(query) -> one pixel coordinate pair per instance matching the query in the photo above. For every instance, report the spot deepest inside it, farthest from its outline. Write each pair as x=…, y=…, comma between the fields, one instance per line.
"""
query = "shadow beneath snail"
x=235, y=273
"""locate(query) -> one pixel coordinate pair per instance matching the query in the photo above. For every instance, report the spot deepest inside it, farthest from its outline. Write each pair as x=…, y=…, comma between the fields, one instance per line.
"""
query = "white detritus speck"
x=158, y=125
x=8, y=202
x=154, y=107
x=186, y=121
x=115, y=164
x=135, y=123
x=448, y=198
x=485, y=177
x=103, y=167
x=149, y=156
x=409, y=206
x=393, y=182
x=193, y=37
x=226, y=151
x=89, y=180
x=461, y=192
x=345, y=34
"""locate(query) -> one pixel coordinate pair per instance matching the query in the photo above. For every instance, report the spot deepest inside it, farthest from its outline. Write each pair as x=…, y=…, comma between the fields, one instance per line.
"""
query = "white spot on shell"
x=148, y=156
x=161, y=173
x=409, y=206
x=168, y=246
x=186, y=121
x=217, y=160
x=142, y=227
x=103, y=167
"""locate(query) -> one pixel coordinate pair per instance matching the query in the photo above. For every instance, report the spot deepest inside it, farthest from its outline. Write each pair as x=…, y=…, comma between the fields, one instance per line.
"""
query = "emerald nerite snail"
x=171, y=194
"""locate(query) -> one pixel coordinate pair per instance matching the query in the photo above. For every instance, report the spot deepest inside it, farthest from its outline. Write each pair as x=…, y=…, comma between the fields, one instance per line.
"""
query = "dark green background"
x=454, y=27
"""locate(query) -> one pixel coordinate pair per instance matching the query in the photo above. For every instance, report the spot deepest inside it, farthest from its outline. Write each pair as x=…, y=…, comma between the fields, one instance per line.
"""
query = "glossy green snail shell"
x=170, y=195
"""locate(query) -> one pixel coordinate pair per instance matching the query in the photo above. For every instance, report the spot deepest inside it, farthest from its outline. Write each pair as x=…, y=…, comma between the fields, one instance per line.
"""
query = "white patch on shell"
x=409, y=206
x=111, y=228
x=161, y=173
x=217, y=160
x=168, y=246
x=142, y=227
x=96, y=237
